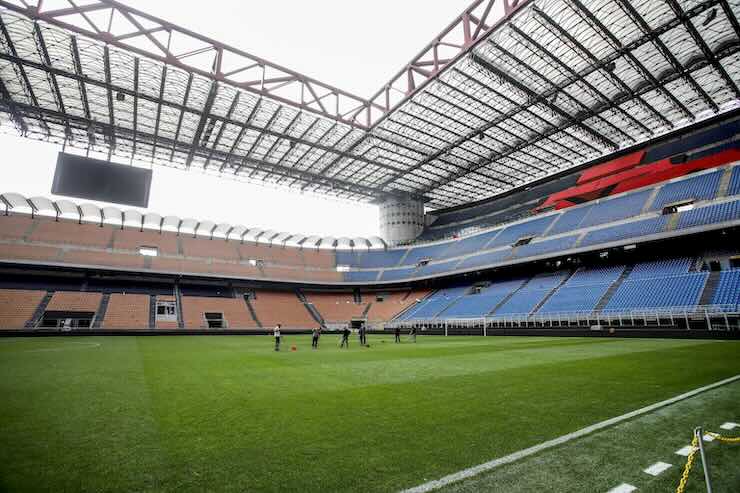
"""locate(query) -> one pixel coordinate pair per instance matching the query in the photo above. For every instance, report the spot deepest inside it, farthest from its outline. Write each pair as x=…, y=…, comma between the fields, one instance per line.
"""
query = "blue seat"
x=435, y=304
x=511, y=234
x=529, y=296
x=468, y=245
x=484, y=259
x=734, y=188
x=711, y=214
x=574, y=299
x=659, y=292
x=372, y=259
x=616, y=209
x=569, y=220
x=701, y=187
x=480, y=304
x=582, y=292
x=474, y=305
x=635, y=229
x=660, y=268
x=425, y=252
x=546, y=246
x=728, y=290
x=439, y=268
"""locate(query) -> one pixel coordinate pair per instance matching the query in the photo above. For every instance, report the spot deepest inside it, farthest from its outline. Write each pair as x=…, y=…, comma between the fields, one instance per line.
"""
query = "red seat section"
x=633, y=178
x=614, y=166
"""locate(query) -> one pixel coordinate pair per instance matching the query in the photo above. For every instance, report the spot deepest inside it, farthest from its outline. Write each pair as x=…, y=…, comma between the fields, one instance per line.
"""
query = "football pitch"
x=227, y=413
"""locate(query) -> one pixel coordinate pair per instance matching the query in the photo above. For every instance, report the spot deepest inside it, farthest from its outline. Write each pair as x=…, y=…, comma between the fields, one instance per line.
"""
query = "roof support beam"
x=731, y=17
x=28, y=88
x=287, y=130
x=204, y=117
x=41, y=46
x=292, y=146
x=162, y=82
x=576, y=78
x=309, y=149
x=7, y=100
x=668, y=54
x=80, y=81
x=708, y=54
x=142, y=42
x=255, y=109
x=609, y=36
x=479, y=157
x=81, y=123
x=480, y=143
x=183, y=110
x=109, y=91
x=136, y=107
x=23, y=62
x=229, y=112
x=510, y=101
x=535, y=98
x=578, y=48
x=259, y=138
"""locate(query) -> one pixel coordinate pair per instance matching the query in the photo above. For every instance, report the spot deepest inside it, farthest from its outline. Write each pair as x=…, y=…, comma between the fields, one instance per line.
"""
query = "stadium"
x=551, y=302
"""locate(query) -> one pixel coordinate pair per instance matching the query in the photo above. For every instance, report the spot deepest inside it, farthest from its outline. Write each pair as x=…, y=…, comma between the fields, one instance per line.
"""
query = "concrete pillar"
x=401, y=220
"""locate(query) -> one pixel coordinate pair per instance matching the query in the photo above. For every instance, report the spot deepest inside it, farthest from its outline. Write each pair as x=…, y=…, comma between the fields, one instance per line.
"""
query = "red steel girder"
x=474, y=24
x=137, y=32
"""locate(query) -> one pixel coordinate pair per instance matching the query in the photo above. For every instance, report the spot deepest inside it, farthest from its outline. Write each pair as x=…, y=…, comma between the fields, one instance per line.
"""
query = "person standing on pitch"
x=398, y=334
x=412, y=334
x=276, y=333
x=363, y=337
x=315, y=334
x=345, y=337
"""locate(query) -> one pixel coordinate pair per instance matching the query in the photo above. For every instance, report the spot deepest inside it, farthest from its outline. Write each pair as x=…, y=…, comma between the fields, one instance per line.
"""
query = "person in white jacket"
x=276, y=333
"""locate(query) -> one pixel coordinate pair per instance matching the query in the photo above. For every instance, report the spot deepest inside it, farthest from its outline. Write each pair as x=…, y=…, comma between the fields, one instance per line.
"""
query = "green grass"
x=229, y=414
x=603, y=460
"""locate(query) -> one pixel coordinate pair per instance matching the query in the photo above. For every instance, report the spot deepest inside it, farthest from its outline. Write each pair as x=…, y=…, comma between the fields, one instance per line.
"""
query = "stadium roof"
x=510, y=92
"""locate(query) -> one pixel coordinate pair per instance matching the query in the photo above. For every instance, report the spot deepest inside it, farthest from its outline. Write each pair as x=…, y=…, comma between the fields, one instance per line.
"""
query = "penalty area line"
x=507, y=459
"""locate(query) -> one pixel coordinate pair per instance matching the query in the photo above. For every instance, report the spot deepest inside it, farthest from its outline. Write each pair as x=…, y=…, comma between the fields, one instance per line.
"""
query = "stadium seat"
x=728, y=290
x=583, y=291
x=625, y=231
x=526, y=299
x=670, y=291
x=701, y=187
x=615, y=209
x=710, y=214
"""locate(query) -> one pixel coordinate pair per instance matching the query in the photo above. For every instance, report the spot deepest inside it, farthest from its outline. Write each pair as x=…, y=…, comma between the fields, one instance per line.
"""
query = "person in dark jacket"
x=398, y=334
x=315, y=334
x=363, y=335
x=345, y=337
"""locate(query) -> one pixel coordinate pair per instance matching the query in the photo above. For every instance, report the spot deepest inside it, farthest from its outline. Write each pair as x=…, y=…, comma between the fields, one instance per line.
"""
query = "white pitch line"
x=623, y=488
x=729, y=426
x=507, y=459
x=657, y=469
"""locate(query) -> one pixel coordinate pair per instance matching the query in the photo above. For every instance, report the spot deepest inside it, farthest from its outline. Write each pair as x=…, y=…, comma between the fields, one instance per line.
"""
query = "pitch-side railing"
x=714, y=317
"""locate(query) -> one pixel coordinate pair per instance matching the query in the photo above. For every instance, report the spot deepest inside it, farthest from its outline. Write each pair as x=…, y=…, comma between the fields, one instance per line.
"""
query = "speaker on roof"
x=94, y=179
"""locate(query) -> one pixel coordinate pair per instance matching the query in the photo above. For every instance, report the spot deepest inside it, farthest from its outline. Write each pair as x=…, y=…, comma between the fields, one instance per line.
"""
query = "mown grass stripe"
x=487, y=466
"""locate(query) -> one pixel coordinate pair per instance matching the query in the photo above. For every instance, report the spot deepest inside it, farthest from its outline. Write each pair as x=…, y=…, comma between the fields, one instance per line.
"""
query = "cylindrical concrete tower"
x=401, y=220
